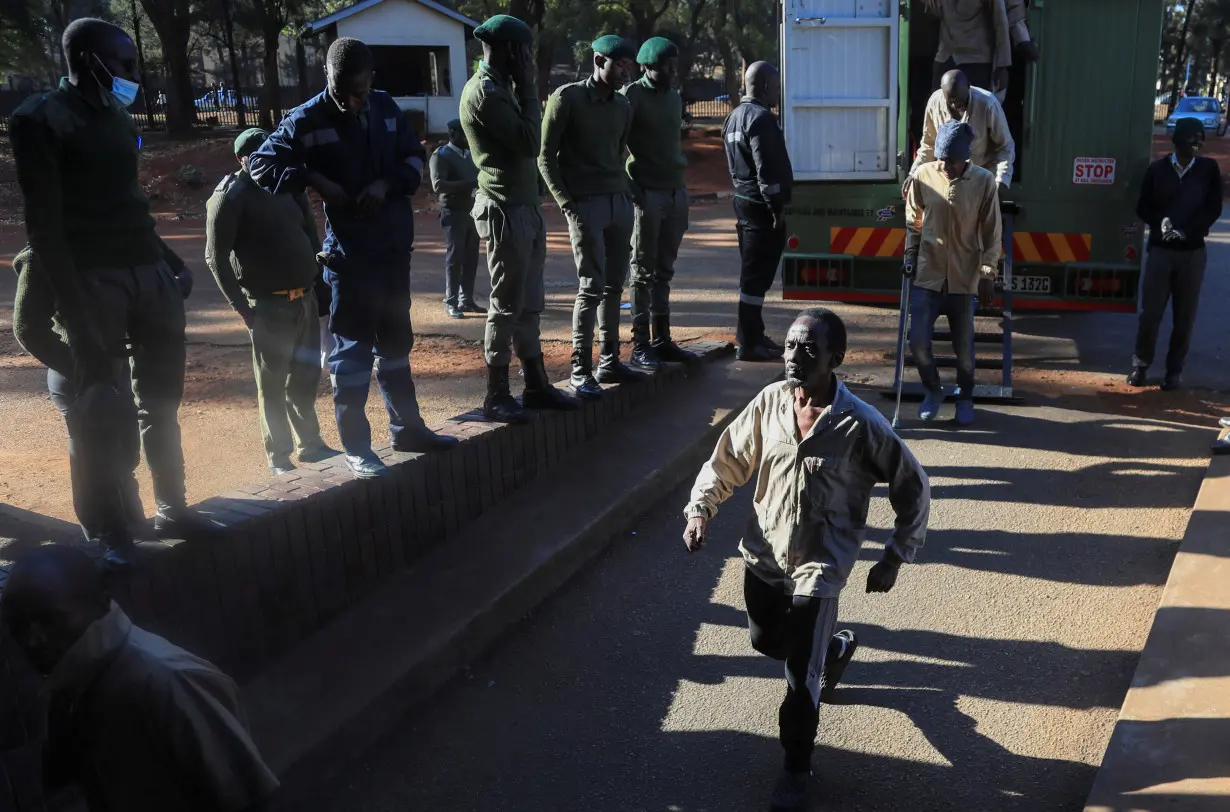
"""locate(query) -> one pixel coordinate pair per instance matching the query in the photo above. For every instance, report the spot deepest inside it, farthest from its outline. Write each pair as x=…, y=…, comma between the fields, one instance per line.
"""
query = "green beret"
x=1185, y=128
x=504, y=28
x=249, y=141
x=656, y=50
x=614, y=47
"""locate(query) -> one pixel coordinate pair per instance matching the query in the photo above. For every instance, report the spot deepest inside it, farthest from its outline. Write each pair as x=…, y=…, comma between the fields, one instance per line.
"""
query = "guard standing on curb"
x=454, y=179
x=356, y=148
x=503, y=126
x=584, y=133
x=261, y=248
x=1180, y=200
x=816, y=452
x=763, y=180
x=655, y=171
x=92, y=236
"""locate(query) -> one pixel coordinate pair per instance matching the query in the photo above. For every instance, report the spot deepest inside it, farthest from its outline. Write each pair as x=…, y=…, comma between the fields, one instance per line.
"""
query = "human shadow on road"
x=1106, y=437
x=1153, y=753
x=1187, y=642
x=1095, y=559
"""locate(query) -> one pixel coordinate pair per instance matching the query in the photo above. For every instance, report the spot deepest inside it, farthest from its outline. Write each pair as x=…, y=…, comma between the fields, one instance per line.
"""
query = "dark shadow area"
x=591, y=704
x=1187, y=642
x=1148, y=754
x=1105, y=485
x=1109, y=436
x=1077, y=558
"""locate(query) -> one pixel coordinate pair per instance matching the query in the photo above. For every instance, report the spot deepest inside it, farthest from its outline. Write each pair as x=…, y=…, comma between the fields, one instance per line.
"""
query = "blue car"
x=1209, y=111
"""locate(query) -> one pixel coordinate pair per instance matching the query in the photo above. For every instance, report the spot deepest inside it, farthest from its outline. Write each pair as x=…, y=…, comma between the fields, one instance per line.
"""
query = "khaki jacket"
x=812, y=496
x=954, y=228
x=141, y=725
x=993, y=147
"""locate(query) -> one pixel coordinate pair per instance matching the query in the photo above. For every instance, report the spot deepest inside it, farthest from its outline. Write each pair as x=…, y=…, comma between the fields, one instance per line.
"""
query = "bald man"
x=135, y=722
x=993, y=148
x=763, y=179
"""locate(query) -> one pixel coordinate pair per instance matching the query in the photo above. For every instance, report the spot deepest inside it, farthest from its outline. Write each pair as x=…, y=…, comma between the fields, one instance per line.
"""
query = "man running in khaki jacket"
x=816, y=451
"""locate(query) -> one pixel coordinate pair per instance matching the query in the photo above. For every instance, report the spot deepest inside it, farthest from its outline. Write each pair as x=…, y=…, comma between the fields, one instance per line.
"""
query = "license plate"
x=1031, y=284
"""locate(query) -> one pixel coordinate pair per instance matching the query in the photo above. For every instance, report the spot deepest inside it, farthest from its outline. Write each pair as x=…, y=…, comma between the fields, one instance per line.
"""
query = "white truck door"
x=839, y=88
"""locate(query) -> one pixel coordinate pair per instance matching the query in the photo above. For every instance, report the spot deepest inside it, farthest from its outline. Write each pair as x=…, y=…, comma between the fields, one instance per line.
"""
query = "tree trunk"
x=172, y=21
x=228, y=36
x=136, y=38
x=1181, y=53
x=301, y=68
x=271, y=105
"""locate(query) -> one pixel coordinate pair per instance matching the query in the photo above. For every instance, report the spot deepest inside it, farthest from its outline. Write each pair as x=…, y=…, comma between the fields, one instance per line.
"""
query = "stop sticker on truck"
x=1095, y=171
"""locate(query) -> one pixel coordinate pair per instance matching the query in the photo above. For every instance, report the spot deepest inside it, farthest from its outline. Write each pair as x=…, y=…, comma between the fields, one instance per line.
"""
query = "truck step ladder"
x=1002, y=341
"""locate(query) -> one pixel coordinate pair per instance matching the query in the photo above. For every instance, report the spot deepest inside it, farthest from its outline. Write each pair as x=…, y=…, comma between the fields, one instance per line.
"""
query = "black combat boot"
x=668, y=350
x=581, y=380
x=610, y=370
x=644, y=358
x=499, y=406
x=539, y=393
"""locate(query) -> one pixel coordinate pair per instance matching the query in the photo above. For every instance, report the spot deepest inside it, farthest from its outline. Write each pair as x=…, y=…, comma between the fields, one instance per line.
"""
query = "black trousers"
x=980, y=74
x=760, y=251
x=798, y=630
x=1169, y=274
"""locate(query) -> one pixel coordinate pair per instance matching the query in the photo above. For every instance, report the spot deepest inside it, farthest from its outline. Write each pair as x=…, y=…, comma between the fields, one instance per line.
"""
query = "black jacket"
x=756, y=155
x=1193, y=203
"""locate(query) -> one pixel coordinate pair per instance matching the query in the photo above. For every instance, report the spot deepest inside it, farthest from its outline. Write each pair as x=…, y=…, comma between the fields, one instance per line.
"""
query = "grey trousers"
x=661, y=220
x=460, y=256
x=285, y=358
x=516, y=239
x=1169, y=273
x=601, y=234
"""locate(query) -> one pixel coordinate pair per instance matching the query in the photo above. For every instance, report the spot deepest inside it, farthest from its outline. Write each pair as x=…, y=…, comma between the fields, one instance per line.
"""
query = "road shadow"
x=587, y=705
x=1127, y=484
x=1156, y=753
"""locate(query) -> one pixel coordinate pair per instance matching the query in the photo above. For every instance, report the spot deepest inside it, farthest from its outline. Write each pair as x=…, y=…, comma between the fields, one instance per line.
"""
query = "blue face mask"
x=122, y=90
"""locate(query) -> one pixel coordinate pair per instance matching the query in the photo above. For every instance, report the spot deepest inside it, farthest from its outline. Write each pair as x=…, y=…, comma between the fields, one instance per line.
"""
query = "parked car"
x=1209, y=111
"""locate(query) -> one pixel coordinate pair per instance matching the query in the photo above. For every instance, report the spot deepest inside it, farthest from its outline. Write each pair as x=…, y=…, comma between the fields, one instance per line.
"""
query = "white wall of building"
x=405, y=22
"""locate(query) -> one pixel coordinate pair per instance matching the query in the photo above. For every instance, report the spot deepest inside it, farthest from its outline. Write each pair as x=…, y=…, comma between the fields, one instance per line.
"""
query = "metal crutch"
x=907, y=285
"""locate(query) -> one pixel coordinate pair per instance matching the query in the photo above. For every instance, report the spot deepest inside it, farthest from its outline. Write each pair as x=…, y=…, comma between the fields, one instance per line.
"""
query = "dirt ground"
x=220, y=432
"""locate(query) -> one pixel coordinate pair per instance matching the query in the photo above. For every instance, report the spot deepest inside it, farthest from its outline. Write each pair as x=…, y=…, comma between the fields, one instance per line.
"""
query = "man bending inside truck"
x=1180, y=200
x=975, y=37
x=957, y=100
x=952, y=248
x=817, y=451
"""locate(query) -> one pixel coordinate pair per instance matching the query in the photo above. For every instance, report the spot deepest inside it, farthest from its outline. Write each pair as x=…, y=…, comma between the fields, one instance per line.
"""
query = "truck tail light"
x=793, y=243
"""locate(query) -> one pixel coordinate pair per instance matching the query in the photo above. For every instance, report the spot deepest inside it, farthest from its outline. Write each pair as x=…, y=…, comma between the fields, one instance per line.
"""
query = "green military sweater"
x=257, y=242
x=655, y=143
x=454, y=177
x=583, y=141
x=76, y=158
x=503, y=128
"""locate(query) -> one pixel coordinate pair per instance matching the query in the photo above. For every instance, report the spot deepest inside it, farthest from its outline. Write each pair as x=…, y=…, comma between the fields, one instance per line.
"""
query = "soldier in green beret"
x=261, y=248
x=655, y=171
x=503, y=123
x=584, y=133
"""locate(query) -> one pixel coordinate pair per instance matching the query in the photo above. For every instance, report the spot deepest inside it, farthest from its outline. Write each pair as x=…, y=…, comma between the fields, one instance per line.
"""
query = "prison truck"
x=856, y=75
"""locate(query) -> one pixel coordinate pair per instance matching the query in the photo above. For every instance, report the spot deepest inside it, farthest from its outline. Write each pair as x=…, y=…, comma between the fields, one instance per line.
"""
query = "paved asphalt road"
x=988, y=680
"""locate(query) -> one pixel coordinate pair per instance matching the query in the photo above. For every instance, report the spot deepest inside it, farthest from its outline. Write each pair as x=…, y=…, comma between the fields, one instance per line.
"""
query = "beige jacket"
x=993, y=146
x=140, y=725
x=812, y=496
x=974, y=32
x=954, y=228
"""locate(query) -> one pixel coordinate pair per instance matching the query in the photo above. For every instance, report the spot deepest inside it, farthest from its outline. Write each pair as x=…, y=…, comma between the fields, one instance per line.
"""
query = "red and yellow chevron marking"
x=1027, y=246
x=867, y=242
x=1042, y=246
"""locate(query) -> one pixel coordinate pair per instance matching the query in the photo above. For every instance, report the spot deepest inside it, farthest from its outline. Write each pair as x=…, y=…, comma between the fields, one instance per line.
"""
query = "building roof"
x=363, y=5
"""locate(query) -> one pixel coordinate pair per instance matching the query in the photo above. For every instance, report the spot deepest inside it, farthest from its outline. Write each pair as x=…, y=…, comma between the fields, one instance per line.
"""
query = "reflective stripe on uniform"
x=390, y=124
x=387, y=364
x=735, y=136
x=321, y=137
x=415, y=163
x=351, y=380
x=747, y=298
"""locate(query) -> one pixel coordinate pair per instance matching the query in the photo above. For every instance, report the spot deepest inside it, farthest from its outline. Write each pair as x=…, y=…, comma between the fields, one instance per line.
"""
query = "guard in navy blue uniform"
x=354, y=146
x=763, y=178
